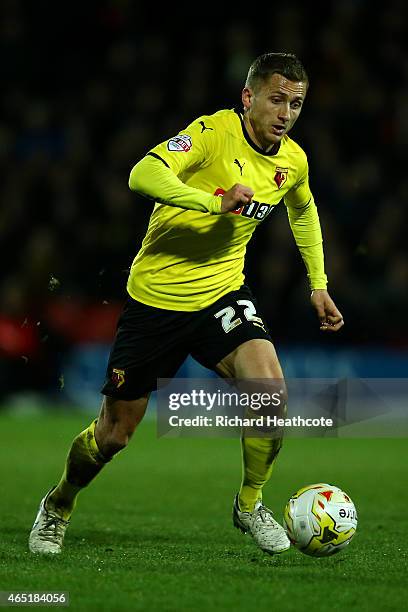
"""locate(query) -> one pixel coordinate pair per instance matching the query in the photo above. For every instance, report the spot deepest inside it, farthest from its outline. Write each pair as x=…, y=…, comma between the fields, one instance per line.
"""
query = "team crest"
x=281, y=176
x=118, y=377
x=182, y=143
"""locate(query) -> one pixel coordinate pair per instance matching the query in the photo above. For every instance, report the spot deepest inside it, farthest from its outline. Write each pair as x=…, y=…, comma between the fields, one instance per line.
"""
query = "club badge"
x=118, y=377
x=281, y=176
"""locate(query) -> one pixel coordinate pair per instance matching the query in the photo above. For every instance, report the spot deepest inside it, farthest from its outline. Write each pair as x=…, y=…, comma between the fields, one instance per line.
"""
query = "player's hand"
x=330, y=317
x=236, y=197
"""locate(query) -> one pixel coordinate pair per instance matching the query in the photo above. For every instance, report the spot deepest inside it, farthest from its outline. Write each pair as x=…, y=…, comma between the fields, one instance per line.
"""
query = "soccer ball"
x=320, y=520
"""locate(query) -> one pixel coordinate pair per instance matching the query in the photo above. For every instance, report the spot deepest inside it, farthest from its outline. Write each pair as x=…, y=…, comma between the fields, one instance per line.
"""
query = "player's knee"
x=282, y=393
x=270, y=395
x=112, y=445
x=116, y=423
x=116, y=438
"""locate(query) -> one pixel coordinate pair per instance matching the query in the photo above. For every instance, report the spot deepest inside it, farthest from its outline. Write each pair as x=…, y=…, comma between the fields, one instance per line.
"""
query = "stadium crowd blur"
x=87, y=91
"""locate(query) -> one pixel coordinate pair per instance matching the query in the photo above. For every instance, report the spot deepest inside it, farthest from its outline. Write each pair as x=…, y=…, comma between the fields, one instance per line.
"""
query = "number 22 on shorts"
x=227, y=316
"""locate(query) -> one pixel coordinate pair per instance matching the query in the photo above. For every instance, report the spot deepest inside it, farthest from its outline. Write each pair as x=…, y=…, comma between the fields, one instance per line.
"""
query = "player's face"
x=272, y=108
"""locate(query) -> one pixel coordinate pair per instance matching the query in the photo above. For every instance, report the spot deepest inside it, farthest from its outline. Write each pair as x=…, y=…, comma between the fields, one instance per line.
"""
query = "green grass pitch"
x=153, y=532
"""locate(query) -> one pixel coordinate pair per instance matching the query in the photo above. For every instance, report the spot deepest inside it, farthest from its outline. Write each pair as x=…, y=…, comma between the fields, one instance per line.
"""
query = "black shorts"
x=153, y=343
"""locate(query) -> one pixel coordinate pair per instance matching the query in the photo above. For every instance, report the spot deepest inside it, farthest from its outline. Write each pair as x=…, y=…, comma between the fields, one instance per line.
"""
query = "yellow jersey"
x=191, y=256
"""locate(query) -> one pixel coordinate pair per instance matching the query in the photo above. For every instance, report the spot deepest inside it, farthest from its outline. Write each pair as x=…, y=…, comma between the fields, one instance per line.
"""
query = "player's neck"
x=267, y=147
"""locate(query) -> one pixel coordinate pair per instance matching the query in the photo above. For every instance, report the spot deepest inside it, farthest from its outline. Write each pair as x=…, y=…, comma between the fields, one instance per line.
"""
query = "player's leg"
x=89, y=453
x=234, y=342
x=93, y=448
x=147, y=346
x=256, y=364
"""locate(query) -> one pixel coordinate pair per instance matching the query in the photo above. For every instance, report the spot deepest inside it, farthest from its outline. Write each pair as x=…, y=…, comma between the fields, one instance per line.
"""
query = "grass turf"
x=153, y=532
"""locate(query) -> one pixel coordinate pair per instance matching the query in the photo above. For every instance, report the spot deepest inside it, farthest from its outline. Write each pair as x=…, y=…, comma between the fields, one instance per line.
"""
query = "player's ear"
x=247, y=98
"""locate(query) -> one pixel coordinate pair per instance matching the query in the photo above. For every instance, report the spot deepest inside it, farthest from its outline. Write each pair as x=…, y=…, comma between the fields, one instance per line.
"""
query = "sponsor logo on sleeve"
x=181, y=143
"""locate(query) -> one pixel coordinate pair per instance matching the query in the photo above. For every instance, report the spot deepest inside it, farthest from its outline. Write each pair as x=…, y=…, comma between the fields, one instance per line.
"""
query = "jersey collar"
x=273, y=151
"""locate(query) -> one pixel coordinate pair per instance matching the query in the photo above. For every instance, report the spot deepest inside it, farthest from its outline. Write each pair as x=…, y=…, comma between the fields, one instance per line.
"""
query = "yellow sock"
x=258, y=456
x=84, y=462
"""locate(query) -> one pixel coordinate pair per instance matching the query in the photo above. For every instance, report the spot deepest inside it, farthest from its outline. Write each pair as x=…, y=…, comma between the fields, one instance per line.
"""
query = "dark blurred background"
x=88, y=88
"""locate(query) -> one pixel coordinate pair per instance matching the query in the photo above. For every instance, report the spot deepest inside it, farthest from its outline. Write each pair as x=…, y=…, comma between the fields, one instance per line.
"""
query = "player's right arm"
x=152, y=178
x=157, y=175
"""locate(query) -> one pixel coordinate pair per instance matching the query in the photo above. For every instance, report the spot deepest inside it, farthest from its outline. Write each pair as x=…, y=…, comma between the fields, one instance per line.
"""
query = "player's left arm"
x=305, y=225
